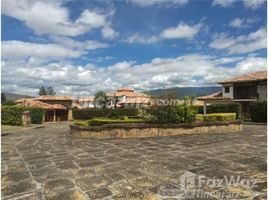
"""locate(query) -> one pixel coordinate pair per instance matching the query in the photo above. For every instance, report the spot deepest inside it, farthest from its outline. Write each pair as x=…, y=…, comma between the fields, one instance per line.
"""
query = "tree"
x=50, y=91
x=42, y=91
x=101, y=99
x=3, y=98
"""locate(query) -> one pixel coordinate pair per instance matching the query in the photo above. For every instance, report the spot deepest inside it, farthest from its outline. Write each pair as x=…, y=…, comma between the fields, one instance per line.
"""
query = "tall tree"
x=42, y=91
x=3, y=98
x=101, y=99
x=50, y=91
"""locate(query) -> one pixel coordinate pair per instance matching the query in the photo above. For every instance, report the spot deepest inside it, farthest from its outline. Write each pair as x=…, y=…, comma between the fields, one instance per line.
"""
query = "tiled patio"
x=46, y=163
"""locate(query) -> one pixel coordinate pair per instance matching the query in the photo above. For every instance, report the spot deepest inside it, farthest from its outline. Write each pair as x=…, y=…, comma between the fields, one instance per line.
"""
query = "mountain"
x=14, y=97
x=181, y=92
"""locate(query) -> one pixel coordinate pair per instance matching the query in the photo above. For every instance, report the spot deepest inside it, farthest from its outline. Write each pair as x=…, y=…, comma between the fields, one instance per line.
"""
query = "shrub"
x=214, y=117
x=225, y=108
x=165, y=114
x=83, y=114
x=186, y=111
x=12, y=115
x=36, y=115
x=221, y=108
x=102, y=121
x=258, y=111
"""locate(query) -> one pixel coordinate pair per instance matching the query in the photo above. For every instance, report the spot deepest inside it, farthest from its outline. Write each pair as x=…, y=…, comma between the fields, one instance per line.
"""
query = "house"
x=128, y=98
x=242, y=89
x=81, y=103
x=52, y=112
x=57, y=108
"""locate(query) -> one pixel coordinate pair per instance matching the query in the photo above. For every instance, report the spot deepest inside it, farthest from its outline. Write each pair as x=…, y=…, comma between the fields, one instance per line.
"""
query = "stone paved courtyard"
x=46, y=163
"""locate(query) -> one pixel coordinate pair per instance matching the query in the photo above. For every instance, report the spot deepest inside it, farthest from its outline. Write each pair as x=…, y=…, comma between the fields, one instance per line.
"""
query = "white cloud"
x=145, y=3
x=159, y=73
x=137, y=38
x=253, y=4
x=78, y=45
x=241, y=44
x=49, y=17
x=181, y=31
x=250, y=4
x=243, y=22
x=20, y=50
x=65, y=48
x=237, y=23
x=223, y=3
x=109, y=33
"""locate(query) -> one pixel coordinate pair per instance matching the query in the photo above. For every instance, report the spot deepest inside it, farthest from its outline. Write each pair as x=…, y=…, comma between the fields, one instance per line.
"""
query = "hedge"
x=258, y=111
x=215, y=117
x=83, y=114
x=12, y=115
x=222, y=108
x=165, y=114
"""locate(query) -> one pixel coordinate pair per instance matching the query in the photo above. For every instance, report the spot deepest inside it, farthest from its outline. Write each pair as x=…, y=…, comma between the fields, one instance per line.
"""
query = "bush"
x=165, y=114
x=12, y=115
x=83, y=114
x=216, y=117
x=222, y=108
x=186, y=111
x=102, y=121
x=36, y=115
x=258, y=111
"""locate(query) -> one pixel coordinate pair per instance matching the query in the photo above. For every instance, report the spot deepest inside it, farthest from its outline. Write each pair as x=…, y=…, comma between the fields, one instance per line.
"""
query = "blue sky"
x=80, y=47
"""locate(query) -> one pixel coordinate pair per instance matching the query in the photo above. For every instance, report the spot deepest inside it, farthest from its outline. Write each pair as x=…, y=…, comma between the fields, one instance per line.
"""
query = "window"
x=226, y=89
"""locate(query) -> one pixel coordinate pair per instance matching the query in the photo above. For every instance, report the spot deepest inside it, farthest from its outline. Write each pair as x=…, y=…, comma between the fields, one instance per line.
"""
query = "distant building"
x=128, y=98
x=242, y=89
x=81, y=103
x=57, y=108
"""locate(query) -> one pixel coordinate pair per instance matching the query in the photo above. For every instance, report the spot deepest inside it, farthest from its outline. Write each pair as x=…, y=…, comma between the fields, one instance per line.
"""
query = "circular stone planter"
x=130, y=130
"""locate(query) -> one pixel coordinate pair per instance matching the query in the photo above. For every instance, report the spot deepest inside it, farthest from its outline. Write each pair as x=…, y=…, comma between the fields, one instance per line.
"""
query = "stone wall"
x=153, y=130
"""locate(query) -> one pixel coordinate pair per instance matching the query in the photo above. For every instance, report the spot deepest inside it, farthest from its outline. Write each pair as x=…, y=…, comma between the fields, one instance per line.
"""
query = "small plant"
x=165, y=114
x=186, y=111
x=258, y=111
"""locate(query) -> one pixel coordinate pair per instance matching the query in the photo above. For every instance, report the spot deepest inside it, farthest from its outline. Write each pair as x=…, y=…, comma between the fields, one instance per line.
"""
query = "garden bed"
x=143, y=129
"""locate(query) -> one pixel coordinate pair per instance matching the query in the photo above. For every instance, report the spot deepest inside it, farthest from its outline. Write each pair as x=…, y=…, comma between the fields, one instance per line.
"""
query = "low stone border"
x=129, y=130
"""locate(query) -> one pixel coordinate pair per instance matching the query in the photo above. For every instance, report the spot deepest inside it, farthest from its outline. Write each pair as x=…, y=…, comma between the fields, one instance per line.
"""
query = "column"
x=205, y=108
x=54, y=116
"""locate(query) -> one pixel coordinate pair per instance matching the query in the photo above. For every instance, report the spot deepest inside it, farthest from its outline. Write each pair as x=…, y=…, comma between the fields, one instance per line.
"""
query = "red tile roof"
x=214, y=96
x=250, y=77
x=125, y=89
x=38, y=104
x=54, y=97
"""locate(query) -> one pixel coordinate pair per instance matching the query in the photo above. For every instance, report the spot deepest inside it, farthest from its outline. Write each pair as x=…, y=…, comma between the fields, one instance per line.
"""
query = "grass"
x=102, y=121
x=5, y=128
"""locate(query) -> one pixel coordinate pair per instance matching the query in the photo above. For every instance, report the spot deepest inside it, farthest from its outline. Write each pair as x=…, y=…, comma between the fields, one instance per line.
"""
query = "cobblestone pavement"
x=48, y=164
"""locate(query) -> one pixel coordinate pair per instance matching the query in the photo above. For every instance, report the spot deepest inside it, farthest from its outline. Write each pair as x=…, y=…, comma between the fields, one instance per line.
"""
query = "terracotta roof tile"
x=250, y=77
x=38, y=104
x=214, y=96
x=125, y=89
x=50, y=97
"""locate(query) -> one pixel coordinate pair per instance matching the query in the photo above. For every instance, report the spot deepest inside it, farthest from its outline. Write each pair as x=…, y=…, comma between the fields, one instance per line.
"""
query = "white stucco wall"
x=231, y=91
x=262, y=91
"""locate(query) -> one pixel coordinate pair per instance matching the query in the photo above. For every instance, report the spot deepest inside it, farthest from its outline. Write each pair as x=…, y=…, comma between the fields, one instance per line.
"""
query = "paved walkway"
x=47, y=164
